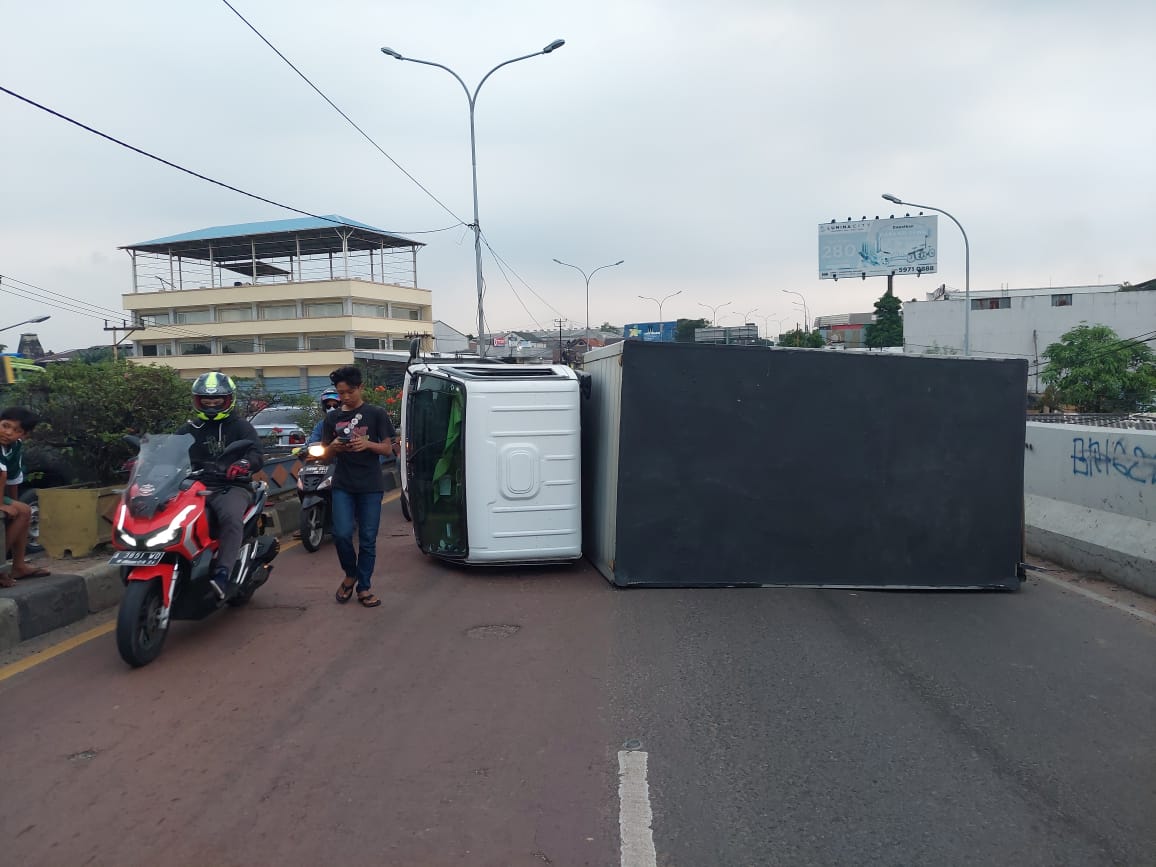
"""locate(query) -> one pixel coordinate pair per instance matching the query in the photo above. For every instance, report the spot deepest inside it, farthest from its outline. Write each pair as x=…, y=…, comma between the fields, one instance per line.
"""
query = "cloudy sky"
x=700, y=142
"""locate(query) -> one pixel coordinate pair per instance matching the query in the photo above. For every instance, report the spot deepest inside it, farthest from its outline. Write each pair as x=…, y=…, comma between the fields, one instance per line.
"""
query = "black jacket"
x=211, y=437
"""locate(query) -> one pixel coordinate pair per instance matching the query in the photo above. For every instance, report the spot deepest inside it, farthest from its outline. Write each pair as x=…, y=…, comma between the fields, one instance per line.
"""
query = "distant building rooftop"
x=303, y=248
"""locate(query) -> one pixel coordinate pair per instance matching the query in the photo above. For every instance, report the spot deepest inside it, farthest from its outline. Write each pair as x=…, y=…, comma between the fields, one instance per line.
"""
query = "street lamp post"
x=473, y=98
x=806, y=316
x=31, y=321
x=664, y=299
x=588, y=276
x=747, y=315
x=714, y=309
x=966, y=266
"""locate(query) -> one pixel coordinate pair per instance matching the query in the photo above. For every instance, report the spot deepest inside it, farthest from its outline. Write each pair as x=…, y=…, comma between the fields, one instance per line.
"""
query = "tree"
x=607, y=328
x=887, y=329
x=88, y=408
x=684, y=329
x=801, y=338
x=1095, y=371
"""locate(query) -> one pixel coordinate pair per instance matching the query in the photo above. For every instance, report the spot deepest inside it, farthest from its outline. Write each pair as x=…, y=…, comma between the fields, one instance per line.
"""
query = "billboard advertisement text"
x=874, y=248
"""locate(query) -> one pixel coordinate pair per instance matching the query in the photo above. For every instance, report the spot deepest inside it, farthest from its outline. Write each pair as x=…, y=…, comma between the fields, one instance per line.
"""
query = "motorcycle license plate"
x=136, y=558
x=314, y=471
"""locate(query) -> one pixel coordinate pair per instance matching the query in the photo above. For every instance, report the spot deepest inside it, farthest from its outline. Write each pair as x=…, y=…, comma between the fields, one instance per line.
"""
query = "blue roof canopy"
x=301, y=236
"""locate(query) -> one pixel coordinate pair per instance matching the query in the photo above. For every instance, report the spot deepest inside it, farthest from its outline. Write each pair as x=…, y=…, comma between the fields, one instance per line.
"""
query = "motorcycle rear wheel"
x=139, y=634
x=312, y=527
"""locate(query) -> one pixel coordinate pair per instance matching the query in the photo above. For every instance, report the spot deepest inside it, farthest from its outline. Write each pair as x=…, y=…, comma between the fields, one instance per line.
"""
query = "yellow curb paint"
x=56, y=650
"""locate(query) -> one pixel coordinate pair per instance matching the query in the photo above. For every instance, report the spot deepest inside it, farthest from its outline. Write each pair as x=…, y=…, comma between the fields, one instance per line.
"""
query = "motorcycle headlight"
x=316, y=450
x=170, y=533
x=127, y=538
x=326, y=483
x=164, y=537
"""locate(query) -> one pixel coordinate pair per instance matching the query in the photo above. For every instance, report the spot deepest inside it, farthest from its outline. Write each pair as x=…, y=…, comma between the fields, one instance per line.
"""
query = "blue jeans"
x=365, y=509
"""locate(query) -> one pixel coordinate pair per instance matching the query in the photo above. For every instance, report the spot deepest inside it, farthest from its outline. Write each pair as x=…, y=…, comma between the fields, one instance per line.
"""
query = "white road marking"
x=1083, y=591
x=634, y=816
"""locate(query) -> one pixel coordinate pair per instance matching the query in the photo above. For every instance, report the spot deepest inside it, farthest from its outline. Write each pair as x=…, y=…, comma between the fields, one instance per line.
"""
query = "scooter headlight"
x=127, y=538
x=165, y=537
x=316, y=450
x=326, y=483
x=170, y=533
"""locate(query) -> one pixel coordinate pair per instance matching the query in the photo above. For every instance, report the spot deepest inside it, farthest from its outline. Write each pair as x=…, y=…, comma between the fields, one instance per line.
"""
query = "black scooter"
x=314, y=490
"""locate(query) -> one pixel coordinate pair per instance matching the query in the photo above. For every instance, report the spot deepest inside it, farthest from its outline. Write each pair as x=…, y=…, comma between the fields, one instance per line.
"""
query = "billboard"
x=655, y=332
x=874, y=248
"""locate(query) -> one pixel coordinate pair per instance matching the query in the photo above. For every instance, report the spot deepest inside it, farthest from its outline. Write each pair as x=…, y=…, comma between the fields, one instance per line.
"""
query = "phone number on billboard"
x=914, y=269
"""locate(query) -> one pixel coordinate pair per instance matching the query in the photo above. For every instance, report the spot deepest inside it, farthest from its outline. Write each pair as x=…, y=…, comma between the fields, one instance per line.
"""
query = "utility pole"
x=559, y=323
x=126, y=328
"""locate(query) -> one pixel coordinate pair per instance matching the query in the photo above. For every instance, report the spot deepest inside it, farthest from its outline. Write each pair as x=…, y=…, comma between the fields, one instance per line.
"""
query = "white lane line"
x=634, y=816
x=1083, y=591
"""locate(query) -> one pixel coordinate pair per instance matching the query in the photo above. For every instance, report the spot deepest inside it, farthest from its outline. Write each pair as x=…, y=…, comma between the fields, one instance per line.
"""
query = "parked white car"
x=278, y=425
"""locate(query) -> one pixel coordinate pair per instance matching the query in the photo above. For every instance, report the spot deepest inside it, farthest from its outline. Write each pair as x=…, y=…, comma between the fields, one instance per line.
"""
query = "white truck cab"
x=491, y=461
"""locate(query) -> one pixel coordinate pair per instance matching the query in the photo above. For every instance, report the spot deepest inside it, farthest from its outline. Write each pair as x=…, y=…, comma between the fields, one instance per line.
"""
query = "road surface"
x=538, y=716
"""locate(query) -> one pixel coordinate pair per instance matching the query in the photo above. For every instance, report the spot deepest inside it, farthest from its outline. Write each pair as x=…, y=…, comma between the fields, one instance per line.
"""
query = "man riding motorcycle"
x=329, y=402
x=214, y=428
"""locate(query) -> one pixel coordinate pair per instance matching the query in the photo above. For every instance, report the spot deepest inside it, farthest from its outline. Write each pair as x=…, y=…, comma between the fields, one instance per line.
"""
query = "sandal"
x=368, y=600
x=345, y=591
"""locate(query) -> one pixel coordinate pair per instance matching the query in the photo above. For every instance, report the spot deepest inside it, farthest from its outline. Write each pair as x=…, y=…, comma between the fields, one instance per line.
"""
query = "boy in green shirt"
x=16, y=422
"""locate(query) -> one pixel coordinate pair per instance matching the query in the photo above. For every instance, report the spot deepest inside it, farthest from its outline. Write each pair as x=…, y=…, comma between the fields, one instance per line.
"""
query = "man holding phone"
x=357, y=435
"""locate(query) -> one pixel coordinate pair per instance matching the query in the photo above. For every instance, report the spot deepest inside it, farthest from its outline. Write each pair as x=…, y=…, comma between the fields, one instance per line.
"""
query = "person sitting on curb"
x=16, y=422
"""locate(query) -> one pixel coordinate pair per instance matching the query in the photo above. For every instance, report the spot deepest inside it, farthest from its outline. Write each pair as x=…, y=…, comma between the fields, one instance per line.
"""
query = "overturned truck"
x=741, y=466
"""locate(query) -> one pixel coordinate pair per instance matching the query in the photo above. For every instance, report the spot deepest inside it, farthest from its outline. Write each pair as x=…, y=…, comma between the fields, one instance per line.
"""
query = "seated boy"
x=16, y=422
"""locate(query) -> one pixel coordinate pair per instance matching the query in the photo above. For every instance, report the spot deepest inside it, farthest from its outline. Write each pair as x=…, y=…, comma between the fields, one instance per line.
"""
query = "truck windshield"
x=435, y=465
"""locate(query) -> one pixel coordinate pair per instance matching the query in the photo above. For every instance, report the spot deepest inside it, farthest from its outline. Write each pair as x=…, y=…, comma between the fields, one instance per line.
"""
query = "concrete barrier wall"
x=1090, y=500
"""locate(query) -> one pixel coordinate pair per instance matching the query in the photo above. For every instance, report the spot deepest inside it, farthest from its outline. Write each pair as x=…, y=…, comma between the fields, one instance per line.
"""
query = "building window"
x=280, y=344
x=401, y=343
x=317, y=309
x=990, y=303
x=1061, y=300
x=367, y=343
x=194, y=348
x=375, y=311
x=152, y=350
x=235, y=314
x=153, y=319
x=326, y=341
x=277, y=311
x=400, y=312
x=193, y=317
x=237, y=344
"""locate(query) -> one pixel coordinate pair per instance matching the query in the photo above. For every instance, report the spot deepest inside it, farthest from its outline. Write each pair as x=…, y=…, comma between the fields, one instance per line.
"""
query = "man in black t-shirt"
x=358, y=435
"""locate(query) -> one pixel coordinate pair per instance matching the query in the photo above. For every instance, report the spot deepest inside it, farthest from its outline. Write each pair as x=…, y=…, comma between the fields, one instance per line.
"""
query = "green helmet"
x=213, y=386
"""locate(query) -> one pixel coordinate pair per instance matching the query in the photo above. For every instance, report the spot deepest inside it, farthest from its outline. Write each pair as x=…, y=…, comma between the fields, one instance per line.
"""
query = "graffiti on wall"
x=1105, y=456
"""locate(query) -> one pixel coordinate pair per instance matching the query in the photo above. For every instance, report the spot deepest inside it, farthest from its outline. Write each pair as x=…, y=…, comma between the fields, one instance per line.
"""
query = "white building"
x=1021, y=323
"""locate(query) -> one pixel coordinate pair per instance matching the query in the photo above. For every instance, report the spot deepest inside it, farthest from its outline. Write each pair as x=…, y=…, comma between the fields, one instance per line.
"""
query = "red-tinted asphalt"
x=300, y=731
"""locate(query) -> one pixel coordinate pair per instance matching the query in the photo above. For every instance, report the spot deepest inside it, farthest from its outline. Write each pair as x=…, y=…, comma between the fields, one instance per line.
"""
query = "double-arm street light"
x=473, y=98
x=747, y=315
x=661, y=301
x=806, y=315
x=588, y=276
x=31, y=321
x=966, y=266
x=714, y=310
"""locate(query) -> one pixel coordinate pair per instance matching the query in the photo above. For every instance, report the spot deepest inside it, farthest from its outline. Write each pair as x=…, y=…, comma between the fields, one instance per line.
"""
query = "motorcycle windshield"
x=160, y=468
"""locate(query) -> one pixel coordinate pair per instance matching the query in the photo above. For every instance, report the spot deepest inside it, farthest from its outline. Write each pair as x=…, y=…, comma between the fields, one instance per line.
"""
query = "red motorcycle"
x=164, y=536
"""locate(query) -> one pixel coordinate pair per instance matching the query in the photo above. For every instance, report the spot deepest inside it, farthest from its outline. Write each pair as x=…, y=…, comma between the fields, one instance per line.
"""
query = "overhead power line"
x=181, y=168
x=348, y=119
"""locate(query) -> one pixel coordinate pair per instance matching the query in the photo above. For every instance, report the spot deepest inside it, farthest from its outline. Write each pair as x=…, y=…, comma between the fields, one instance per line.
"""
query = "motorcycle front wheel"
x=312, y=527
x=139, y=633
